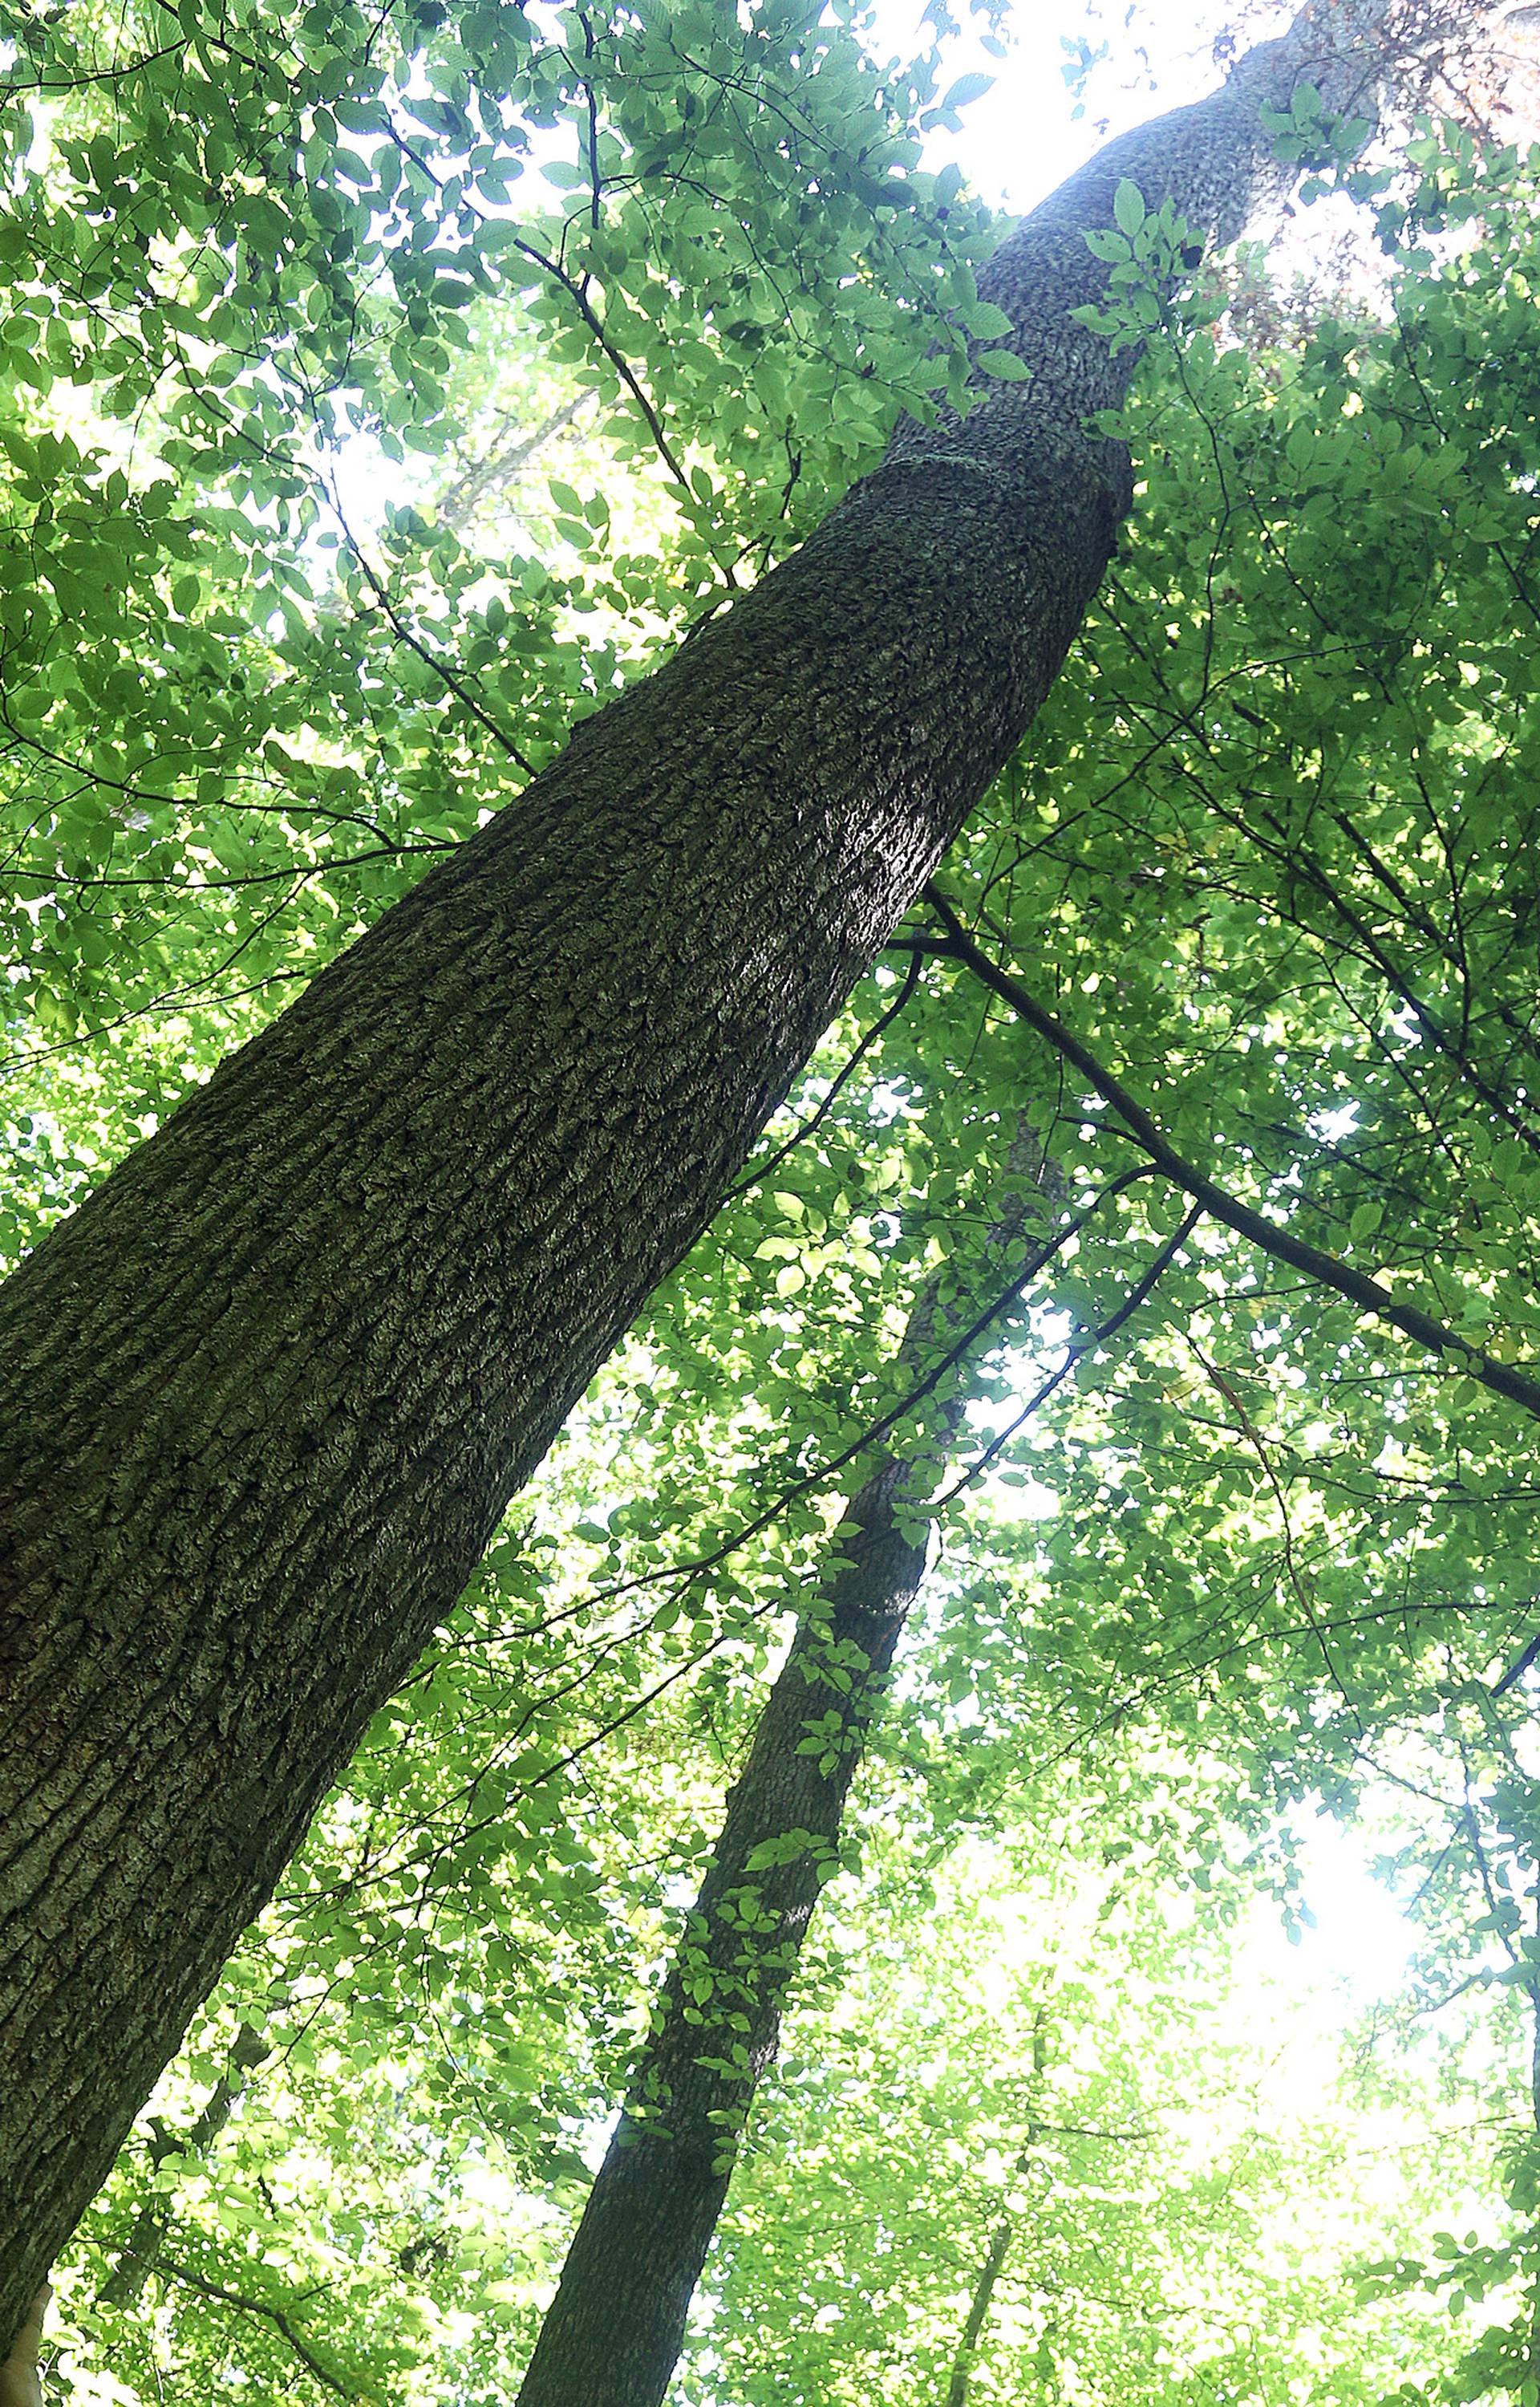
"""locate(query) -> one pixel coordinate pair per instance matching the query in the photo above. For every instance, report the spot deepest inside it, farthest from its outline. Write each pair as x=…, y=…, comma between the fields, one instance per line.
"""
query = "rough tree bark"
x=613, y=2332
x=265, y=1396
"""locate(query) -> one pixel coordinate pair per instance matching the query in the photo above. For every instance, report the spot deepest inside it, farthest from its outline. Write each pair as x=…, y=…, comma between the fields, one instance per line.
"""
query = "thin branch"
x=1519, y=1387
x=415, y=644
x=1233, y=1397
x=572, y=286
x=274, y=2316
x=1516, y=1671
x=1076, y=1355
x=879, y=1028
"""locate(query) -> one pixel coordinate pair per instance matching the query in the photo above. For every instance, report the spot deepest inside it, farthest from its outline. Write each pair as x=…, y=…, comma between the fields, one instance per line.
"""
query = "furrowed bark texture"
x=612, y=2335
x=265, y=1396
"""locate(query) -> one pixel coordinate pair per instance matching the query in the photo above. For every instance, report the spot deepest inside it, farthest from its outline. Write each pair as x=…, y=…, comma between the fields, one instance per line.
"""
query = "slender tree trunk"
x=612, y=2333
x=265, y=1395
x=1000, y=2240
x=141, y=2251
x=456, y=507
x=979, y=2310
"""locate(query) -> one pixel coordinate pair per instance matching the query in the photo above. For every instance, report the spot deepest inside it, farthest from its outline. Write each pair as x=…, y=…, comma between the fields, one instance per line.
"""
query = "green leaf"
x=1128, y=205
x=986, y=321
x=966, y=89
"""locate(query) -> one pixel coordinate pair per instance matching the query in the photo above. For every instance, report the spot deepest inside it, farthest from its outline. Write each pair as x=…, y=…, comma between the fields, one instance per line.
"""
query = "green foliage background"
x=378, y=392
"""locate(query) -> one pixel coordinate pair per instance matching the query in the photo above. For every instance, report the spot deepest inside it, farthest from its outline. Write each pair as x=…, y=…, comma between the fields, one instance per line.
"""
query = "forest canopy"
x=382, y=393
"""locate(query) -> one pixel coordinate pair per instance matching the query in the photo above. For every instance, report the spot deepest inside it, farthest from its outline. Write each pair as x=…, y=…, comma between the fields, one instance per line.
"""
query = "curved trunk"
x=265, y=1395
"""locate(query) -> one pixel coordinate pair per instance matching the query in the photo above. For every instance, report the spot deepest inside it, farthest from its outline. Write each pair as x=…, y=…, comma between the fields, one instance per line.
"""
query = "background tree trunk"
x=612, y=2335
x=1001, y=2238
x=141, y=2251
x=265, y=1396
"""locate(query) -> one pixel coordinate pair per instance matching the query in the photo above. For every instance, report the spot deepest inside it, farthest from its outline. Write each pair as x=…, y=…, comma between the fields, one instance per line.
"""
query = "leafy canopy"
x=381, y=391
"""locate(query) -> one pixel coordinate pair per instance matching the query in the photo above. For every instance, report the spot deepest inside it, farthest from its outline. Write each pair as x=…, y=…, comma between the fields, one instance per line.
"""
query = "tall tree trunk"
x=265, y=1396
x=612, y=2333
x=1000, y=2239
x=141, y=2251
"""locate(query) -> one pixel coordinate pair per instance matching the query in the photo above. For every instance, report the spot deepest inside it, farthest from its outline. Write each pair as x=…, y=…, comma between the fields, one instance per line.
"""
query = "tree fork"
x=265, y=1396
